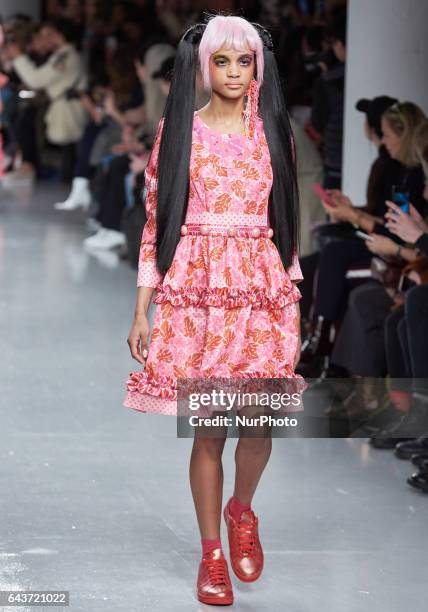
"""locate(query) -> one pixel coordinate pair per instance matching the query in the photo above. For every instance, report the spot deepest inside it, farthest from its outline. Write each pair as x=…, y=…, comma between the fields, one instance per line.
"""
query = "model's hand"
x=138, y=337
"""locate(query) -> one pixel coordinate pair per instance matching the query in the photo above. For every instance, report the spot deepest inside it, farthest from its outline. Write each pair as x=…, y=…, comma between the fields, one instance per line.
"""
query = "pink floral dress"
x=226, y=306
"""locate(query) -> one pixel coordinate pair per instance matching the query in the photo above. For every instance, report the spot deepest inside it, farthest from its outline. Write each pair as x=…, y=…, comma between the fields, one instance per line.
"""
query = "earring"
x=251, y=107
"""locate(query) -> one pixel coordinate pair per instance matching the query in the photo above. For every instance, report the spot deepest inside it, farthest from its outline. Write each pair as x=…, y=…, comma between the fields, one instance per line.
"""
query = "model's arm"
x=148, y=276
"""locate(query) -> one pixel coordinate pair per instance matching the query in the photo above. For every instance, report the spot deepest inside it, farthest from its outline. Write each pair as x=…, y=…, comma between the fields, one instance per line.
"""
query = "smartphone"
x=322, y=194
x=401, y=198
x=363, y=235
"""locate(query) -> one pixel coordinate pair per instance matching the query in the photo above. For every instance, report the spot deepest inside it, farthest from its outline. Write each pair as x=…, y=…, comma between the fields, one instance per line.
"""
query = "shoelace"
x=246, y=539
x=216, y=570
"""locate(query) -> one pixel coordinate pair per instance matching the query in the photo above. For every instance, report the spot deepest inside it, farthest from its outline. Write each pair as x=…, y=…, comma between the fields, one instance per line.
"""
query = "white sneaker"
x=105, y=239
x=80, y=196
x=108, y=259
x=92, y=224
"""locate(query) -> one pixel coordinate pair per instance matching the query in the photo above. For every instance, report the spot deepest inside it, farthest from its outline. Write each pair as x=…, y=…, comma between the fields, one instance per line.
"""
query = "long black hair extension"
x=176, y=142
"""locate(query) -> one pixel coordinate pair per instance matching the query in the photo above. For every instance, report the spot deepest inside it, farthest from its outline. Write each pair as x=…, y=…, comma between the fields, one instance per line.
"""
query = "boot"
x=419, y=480
x=80, y=196
x=366, y=400
x=319, y=342
x=410, y=426
x=406, y=450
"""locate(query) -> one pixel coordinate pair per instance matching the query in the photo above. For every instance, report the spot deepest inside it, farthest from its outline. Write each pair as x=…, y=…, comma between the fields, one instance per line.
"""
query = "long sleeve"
x=62, y=71
x=148, y=273
x=422, y=244
x=36, y=77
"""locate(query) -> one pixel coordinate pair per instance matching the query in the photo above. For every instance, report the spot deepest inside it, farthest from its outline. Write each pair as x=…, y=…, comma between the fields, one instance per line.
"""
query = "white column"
x=27, y=7
x=387, y=46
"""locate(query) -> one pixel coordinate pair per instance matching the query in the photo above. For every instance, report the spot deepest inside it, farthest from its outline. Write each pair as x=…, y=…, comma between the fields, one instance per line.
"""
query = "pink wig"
x=229, y=32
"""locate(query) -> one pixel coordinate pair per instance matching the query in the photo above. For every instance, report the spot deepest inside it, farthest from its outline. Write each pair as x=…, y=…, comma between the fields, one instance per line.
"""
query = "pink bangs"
x=229, y=32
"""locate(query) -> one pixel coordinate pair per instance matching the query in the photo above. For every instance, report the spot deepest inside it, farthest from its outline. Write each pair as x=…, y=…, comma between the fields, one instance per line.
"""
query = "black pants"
x=406, y=330
x=25, y=129
x=396, y=345
x=332, y=288
x=84, y=148
x=360, y=346
x=111, y=193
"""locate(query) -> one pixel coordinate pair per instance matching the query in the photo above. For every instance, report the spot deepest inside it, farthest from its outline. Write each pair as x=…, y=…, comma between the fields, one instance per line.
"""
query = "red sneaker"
x=214, y=586
x=246, y=553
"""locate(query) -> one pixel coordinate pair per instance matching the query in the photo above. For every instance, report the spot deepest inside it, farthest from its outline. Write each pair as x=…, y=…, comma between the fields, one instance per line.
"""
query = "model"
x=220, y=249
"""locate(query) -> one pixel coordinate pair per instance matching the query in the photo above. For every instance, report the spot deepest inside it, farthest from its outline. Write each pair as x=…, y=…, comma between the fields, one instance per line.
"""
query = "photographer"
x=60, y=76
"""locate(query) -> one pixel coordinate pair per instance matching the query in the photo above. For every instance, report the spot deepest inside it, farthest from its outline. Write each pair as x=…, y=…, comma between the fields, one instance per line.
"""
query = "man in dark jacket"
x=328, y=105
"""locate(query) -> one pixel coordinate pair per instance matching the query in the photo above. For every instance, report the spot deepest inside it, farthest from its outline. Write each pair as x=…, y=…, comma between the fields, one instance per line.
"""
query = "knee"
x=417, y=301
x=393, y=319
x=358, y=298
x=255, y=446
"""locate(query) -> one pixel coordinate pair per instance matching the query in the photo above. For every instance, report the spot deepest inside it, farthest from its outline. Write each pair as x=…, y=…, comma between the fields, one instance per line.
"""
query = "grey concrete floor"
x=95, y=496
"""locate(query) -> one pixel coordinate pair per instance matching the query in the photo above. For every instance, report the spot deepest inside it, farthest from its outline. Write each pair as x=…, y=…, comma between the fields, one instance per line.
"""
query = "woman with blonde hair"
x=398, y=125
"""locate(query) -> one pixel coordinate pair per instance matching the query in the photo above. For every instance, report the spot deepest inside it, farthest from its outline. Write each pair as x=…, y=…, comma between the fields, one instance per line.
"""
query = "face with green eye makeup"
x=231, y=72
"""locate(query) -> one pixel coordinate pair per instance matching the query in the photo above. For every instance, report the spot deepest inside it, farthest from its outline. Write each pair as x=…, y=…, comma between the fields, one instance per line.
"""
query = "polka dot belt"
x=244, y=231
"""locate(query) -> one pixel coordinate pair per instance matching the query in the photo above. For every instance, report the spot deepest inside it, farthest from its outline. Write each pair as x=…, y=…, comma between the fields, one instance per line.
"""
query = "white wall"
x=387, y=55
x=28, y=7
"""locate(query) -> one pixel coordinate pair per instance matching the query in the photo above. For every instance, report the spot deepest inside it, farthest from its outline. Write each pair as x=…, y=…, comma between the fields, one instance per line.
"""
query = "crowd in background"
x=82, y=93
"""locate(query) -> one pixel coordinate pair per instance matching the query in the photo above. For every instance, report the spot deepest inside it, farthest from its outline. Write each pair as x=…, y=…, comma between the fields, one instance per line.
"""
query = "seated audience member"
x=309, y=171
x=112, y=108
x=383, y=330
x=112, y=191
x=399, y=123
x=58, y=76
x=30, y=108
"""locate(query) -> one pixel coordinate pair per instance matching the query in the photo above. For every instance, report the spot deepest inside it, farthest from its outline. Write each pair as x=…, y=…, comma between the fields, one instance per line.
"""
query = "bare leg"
x=206, y=481
x=251, y=457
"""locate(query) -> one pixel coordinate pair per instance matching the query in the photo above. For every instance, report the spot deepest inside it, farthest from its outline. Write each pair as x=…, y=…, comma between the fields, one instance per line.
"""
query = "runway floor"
x=95, y=497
